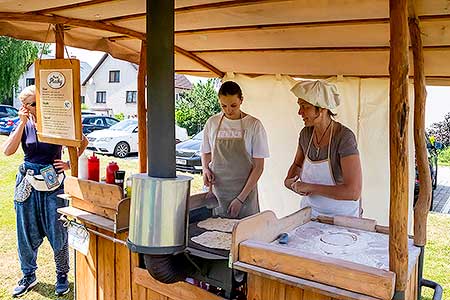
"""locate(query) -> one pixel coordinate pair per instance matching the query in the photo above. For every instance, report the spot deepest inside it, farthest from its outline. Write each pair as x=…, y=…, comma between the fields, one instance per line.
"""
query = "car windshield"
x=126, y=125
x=198, y=136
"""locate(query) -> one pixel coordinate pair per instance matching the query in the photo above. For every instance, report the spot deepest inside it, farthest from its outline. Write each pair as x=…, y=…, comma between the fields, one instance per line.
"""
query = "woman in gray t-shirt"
x=326, y=169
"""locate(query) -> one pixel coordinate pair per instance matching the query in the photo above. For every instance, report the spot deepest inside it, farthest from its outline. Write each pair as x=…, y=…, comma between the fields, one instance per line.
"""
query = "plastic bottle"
x=93, y=168
x=128, y=186
x=83, y=167
x=110, y=170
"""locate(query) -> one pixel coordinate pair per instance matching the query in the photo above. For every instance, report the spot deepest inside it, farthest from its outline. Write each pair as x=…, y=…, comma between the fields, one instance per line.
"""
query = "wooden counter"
x=295, y=271
x=111, y=272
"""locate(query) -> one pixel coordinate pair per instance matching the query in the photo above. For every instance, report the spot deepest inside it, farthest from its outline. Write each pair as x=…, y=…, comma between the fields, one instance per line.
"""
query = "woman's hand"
x=60, y=165
x=24, y=114
x=208, y=177
x=301, y=188
x=234, y=208
x=289, y=181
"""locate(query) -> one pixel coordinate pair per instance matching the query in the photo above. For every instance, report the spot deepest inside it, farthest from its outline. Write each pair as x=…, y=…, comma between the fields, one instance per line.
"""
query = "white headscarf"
x=317, y=93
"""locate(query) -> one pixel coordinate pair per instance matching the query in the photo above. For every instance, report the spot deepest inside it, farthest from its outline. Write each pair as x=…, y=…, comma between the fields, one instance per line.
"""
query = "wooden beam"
x=420, y=95
x=69, y=6
x=375, y=21
x=120, y=38
x=398, y=133
x=141, y=111
x=199, y=7
x=59, y=38
x=224, y=4
x=313, y=49
x=71, y=21
x=199, y=60
x=125, y=18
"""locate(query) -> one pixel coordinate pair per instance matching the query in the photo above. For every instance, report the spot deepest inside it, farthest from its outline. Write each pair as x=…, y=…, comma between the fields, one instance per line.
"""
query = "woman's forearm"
x=255, y=174
x=11, y=145
x=206, y=159
x=337, y=192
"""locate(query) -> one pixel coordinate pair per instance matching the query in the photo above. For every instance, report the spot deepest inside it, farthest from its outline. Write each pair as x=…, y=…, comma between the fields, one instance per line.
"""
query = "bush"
x=444, y=157
x=119, y=116
x=194, y=107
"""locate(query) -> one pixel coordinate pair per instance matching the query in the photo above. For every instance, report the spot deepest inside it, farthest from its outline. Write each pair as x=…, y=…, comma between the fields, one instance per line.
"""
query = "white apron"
x=320, y=172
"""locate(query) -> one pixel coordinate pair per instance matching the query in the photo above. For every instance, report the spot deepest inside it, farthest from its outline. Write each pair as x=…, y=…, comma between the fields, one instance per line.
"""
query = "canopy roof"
x=298, y=38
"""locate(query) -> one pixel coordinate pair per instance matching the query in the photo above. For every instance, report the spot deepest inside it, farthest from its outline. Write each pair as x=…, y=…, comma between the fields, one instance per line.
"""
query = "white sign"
x=78, y=237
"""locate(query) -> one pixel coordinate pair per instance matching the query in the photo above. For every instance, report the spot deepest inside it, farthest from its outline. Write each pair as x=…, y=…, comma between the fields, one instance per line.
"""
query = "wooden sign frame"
x=58, y=97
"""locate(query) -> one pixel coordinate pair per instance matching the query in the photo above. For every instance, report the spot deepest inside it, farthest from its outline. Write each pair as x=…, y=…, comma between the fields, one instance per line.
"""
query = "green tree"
x=194, y=107
x=15, y=57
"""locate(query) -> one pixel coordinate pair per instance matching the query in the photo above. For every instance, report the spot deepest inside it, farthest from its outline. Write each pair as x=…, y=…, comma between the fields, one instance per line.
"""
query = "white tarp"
x=364, y=109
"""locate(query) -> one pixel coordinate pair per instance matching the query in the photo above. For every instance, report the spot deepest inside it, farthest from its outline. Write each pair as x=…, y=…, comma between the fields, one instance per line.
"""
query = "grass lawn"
x=437, y=255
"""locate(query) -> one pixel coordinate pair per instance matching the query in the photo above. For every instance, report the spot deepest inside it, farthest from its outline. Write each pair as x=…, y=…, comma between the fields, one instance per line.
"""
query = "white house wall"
x=22, y=84
x=115, y=91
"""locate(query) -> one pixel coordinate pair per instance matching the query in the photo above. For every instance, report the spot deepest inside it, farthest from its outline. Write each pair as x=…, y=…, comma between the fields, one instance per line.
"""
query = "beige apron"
x=231, y=165
x=319, y=172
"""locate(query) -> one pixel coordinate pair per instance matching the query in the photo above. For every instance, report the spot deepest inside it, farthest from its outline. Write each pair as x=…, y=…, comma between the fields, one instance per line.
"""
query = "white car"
x=121, y=138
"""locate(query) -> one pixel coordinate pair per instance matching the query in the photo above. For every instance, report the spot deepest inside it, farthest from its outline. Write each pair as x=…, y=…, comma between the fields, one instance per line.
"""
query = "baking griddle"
x=194, y=230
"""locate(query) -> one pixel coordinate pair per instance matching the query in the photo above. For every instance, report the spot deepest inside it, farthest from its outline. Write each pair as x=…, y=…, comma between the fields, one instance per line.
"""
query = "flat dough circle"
x=340, y=239
x=219, y=224
x=214, y=239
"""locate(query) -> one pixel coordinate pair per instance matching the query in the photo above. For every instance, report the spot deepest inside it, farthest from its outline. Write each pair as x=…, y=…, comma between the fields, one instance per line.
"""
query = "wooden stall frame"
x=398, y=138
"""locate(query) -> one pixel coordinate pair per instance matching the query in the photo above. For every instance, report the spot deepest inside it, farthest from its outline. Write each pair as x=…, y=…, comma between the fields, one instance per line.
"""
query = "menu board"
x=58, y=107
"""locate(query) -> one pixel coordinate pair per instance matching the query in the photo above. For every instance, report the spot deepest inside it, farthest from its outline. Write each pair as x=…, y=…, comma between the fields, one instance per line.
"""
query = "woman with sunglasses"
x=36, y=201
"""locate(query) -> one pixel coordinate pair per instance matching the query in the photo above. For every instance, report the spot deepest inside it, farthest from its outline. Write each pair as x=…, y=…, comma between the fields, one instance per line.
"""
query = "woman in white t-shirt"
x=233, y=152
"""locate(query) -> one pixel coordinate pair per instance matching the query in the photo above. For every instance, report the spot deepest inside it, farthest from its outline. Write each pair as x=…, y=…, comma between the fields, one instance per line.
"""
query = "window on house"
x=114, y=76
x=29, y=81
x=131, y=97
x=82, y=99
x=101, y=97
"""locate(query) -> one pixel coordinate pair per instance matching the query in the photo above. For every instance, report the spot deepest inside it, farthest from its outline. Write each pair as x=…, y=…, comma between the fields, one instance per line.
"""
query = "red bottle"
x=93, y=168
x=110, y=169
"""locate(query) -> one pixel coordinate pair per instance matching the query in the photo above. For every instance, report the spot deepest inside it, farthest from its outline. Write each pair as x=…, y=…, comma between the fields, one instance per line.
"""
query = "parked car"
x=8, y=111
x=433, y=163
x=87, y=113
x=120, y=139
x=188, y=157
x=92, y=123
x=7, y=124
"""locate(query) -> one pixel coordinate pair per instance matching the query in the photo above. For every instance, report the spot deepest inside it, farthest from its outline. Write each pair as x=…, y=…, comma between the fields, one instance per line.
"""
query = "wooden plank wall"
x=263, y=288
x=105, y=273
x=111, y=272
x=260, y=288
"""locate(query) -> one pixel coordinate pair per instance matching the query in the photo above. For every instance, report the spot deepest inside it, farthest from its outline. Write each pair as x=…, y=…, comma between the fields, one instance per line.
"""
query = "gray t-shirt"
x=343, y=144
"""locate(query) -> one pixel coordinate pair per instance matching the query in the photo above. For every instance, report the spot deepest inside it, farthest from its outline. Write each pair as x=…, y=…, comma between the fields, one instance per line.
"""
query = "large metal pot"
x=158, y=214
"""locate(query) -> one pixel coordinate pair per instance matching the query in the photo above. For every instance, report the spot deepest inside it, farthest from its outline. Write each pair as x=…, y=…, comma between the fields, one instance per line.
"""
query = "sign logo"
x=56, y=80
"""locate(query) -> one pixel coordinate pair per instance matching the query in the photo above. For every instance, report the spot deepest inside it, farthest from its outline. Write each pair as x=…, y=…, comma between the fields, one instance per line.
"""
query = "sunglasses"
x=31, y=104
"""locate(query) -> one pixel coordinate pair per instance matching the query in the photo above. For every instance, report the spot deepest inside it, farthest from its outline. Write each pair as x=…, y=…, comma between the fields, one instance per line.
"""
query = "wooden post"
x=398, y=134
x=141, y=111
x=59, y=39
x=420, y=94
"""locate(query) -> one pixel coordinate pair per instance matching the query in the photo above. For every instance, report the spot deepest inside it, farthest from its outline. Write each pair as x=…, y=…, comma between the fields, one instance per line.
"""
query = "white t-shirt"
x=255, y=136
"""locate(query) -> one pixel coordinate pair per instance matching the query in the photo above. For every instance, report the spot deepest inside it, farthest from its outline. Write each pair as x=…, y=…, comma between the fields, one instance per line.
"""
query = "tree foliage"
x=15, y=58
x=193, y=108
x=441, y=131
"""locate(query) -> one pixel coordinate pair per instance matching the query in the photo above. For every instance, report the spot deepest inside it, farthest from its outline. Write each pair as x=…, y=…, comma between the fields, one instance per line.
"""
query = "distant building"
x=28, y=78
x=111, y=87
